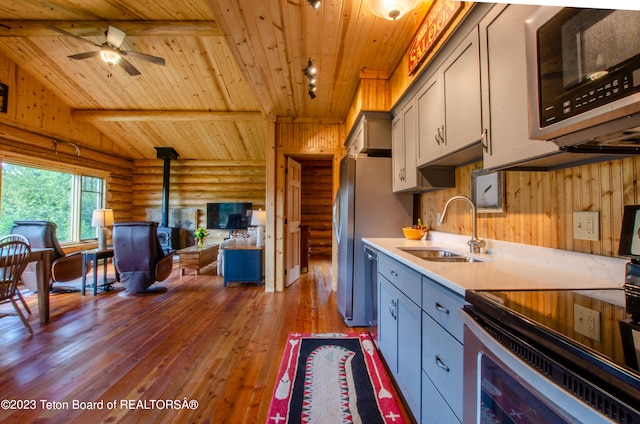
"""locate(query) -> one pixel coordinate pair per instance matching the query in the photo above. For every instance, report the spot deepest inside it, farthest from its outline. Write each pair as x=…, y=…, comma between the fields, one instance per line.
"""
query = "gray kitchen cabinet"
x=370, y=135
x=420, y=336
x=403, y=138
x=431, y=122
x=399, y=324
x=406, y=175
x=504, y=96
x=450, y=108
x=442, y=345
x=442, y=362
x=434, y=409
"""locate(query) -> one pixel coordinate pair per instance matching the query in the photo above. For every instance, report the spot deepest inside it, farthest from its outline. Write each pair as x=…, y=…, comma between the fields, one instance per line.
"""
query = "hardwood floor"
x=199, y=341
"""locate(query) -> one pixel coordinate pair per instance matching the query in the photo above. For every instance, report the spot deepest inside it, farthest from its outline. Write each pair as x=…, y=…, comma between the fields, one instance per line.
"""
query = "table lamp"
x=259, y=220
x=101, y=219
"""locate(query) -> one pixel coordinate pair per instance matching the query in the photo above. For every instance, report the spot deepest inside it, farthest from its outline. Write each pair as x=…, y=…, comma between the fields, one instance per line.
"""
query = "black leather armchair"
x=138, y=256
x=63, y=267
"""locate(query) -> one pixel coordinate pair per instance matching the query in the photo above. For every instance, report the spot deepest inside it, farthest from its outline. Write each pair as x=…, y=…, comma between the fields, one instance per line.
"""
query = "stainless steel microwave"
x=584, y=77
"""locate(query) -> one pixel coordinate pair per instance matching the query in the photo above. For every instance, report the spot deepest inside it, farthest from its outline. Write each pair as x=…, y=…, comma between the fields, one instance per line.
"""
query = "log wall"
x=317, y=204
x=38, y=125
x=194, y=183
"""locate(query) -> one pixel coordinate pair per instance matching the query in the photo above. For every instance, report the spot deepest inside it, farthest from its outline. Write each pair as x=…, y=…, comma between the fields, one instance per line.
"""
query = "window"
x=38, y=193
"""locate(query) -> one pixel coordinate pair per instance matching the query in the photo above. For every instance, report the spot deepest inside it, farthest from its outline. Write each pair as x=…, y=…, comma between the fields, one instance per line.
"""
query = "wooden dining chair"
x=14, y=257
x=18, y=237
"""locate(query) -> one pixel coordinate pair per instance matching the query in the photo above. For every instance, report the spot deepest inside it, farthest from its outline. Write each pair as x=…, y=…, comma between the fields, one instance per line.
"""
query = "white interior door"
x=292, y=246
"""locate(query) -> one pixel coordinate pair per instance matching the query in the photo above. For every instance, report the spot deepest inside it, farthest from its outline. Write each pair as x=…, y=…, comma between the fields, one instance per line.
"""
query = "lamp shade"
x=259, y=217
x=102, y=218
x=391, y=9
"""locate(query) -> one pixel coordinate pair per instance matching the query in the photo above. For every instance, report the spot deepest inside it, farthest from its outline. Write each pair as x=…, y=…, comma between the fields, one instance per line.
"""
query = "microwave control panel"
x=595, y=93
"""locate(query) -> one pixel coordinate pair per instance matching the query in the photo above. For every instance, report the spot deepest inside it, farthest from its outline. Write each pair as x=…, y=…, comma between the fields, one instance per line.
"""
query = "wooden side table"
x=243, y=264
x=194, y=257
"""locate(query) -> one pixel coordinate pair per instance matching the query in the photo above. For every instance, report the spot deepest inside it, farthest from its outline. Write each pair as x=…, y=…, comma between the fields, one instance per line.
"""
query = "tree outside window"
x=30, y=193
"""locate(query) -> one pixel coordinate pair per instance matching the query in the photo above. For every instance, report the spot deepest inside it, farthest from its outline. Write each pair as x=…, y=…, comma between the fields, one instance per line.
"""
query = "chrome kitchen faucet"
x=475, y=244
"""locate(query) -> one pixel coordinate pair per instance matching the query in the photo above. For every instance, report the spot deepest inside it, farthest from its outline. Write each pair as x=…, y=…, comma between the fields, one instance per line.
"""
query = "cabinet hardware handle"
x=441, y=308
x=442, y=136
x=392, y=272
x=392, y=309
x=441, y=364
x=483, y=139
x=436, y=135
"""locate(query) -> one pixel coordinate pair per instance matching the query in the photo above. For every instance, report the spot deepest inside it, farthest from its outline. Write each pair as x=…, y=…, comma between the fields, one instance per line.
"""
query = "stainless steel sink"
x=432, y=253
x=439, y=255
x=453, y=259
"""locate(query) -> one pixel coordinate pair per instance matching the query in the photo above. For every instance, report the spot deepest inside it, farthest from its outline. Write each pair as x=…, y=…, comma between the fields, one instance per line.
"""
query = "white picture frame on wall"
x=487, y=191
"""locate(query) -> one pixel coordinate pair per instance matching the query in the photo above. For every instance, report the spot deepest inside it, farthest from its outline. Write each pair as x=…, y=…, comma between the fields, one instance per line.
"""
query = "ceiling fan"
x=110, y=50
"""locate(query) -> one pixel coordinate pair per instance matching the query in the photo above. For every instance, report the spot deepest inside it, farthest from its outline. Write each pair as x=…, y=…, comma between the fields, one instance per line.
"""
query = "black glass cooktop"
x=596, y=332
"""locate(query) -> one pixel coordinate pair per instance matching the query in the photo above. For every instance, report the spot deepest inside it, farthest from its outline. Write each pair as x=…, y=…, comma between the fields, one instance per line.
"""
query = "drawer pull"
x=441, y=308
x=392, y=272
x=441, y=364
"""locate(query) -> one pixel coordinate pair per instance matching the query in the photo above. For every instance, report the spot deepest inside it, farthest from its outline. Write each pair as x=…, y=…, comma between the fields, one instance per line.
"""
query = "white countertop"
x=506, y=266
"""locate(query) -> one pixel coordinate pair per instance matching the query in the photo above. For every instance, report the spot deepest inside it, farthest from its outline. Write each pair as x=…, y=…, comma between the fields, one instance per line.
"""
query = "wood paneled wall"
x=194, y=183
x=317, y=202
x=540, y=205
x=38, y=125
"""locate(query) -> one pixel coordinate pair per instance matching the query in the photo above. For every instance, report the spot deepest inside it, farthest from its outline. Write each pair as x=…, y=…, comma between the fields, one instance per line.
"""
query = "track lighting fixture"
x=310, y=72
x=314, y=3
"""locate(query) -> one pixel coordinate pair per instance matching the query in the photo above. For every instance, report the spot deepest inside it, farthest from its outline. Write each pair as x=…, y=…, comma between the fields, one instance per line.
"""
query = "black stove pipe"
x=167, y=154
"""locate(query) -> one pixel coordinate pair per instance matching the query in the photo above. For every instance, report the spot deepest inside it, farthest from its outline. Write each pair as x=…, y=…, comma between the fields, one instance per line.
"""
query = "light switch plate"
x=586, y=225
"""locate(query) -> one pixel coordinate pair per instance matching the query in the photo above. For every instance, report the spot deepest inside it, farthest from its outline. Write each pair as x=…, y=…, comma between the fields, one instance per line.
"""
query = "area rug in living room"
x=332, y=378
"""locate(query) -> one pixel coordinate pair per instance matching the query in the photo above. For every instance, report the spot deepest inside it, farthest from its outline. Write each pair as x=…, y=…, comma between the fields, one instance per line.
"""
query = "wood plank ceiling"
x=230, y=66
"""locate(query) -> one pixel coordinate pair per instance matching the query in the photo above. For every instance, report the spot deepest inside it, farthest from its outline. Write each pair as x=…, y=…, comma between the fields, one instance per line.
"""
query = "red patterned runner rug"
x=331, y=379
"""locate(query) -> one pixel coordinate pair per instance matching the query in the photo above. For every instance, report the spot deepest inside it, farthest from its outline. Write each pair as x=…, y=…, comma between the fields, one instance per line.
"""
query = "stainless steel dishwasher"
x=371, y=290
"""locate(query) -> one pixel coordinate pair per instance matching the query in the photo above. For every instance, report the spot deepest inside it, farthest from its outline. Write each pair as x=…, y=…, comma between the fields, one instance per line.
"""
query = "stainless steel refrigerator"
x=365, y=206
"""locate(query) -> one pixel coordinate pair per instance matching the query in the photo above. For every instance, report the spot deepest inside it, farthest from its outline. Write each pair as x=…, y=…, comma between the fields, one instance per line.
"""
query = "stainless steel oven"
x=517, y=369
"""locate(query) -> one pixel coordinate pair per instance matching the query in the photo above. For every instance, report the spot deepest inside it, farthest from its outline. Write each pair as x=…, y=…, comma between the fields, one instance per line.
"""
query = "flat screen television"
x=228, y=216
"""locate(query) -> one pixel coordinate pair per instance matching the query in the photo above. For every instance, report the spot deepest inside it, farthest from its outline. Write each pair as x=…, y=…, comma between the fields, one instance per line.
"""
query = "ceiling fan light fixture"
x=110, y=56
x=314, y=3
x=391, y=9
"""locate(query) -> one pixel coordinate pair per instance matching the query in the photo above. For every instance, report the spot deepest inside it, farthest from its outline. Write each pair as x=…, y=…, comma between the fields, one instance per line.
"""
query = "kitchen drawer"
x=401, y=276
x=442, y=361
x=434, y=409
x=443, y=305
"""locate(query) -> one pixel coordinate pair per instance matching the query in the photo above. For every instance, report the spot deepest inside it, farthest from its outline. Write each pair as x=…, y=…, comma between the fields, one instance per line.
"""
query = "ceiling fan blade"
x=86, y=55
x=70, y=34
x=115, y=37
x=131, y=70
x=143, y=56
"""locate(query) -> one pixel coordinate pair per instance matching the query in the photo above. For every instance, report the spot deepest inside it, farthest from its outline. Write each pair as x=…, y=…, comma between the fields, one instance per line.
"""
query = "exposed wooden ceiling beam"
x=163, y=115
x=30, y=28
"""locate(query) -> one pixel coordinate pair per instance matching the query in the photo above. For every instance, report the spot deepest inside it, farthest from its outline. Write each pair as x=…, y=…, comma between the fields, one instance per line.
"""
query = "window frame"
x=77, y=172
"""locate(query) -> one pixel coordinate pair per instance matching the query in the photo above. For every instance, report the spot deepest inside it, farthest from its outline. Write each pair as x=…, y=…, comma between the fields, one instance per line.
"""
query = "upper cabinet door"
x=397, y=153
x=462, y=95
x=404, y=134
x=430, y=121
x=504, y=88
